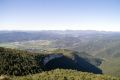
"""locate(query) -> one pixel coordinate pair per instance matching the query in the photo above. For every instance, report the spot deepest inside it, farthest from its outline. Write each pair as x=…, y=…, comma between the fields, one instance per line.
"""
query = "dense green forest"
x=17, y=62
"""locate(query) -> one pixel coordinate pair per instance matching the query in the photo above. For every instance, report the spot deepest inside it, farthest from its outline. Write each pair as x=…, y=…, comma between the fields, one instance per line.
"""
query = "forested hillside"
x=18, y=62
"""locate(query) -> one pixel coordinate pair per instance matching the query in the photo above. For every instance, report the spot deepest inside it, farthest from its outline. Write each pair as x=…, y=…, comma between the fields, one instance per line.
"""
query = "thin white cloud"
x=59, y=27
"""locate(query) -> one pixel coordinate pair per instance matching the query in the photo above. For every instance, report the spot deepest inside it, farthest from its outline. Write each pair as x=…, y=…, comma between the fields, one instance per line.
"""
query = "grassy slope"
x=111, y=67
x=61, y=74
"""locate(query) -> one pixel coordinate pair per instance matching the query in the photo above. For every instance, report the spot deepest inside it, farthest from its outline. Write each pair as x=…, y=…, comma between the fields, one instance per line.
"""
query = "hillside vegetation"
x=17, y=62
x=65, y=74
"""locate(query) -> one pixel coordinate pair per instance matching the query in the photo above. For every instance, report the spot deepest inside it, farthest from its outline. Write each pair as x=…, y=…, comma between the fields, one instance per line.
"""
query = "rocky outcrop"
x=50, y=57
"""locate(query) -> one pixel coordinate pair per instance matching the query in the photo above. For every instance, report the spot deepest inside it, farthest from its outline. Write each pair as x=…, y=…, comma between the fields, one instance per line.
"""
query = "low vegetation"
x=65, y=74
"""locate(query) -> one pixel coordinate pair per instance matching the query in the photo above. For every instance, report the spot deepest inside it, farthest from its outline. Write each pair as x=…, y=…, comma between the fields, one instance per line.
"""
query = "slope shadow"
x=67, y=63
x=86, y=66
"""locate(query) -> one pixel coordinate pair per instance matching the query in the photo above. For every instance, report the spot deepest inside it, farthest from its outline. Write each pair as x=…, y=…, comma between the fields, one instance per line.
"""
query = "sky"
x=60, y=15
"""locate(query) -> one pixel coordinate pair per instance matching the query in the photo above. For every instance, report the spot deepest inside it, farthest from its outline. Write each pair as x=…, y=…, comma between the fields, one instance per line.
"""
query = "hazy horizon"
x=100, y=15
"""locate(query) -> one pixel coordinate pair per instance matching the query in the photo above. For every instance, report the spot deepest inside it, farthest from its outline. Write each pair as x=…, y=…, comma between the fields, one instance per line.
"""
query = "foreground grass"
x=62, y=74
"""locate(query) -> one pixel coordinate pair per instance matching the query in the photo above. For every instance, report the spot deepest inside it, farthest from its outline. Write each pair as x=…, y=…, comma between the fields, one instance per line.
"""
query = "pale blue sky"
x=60, y=14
